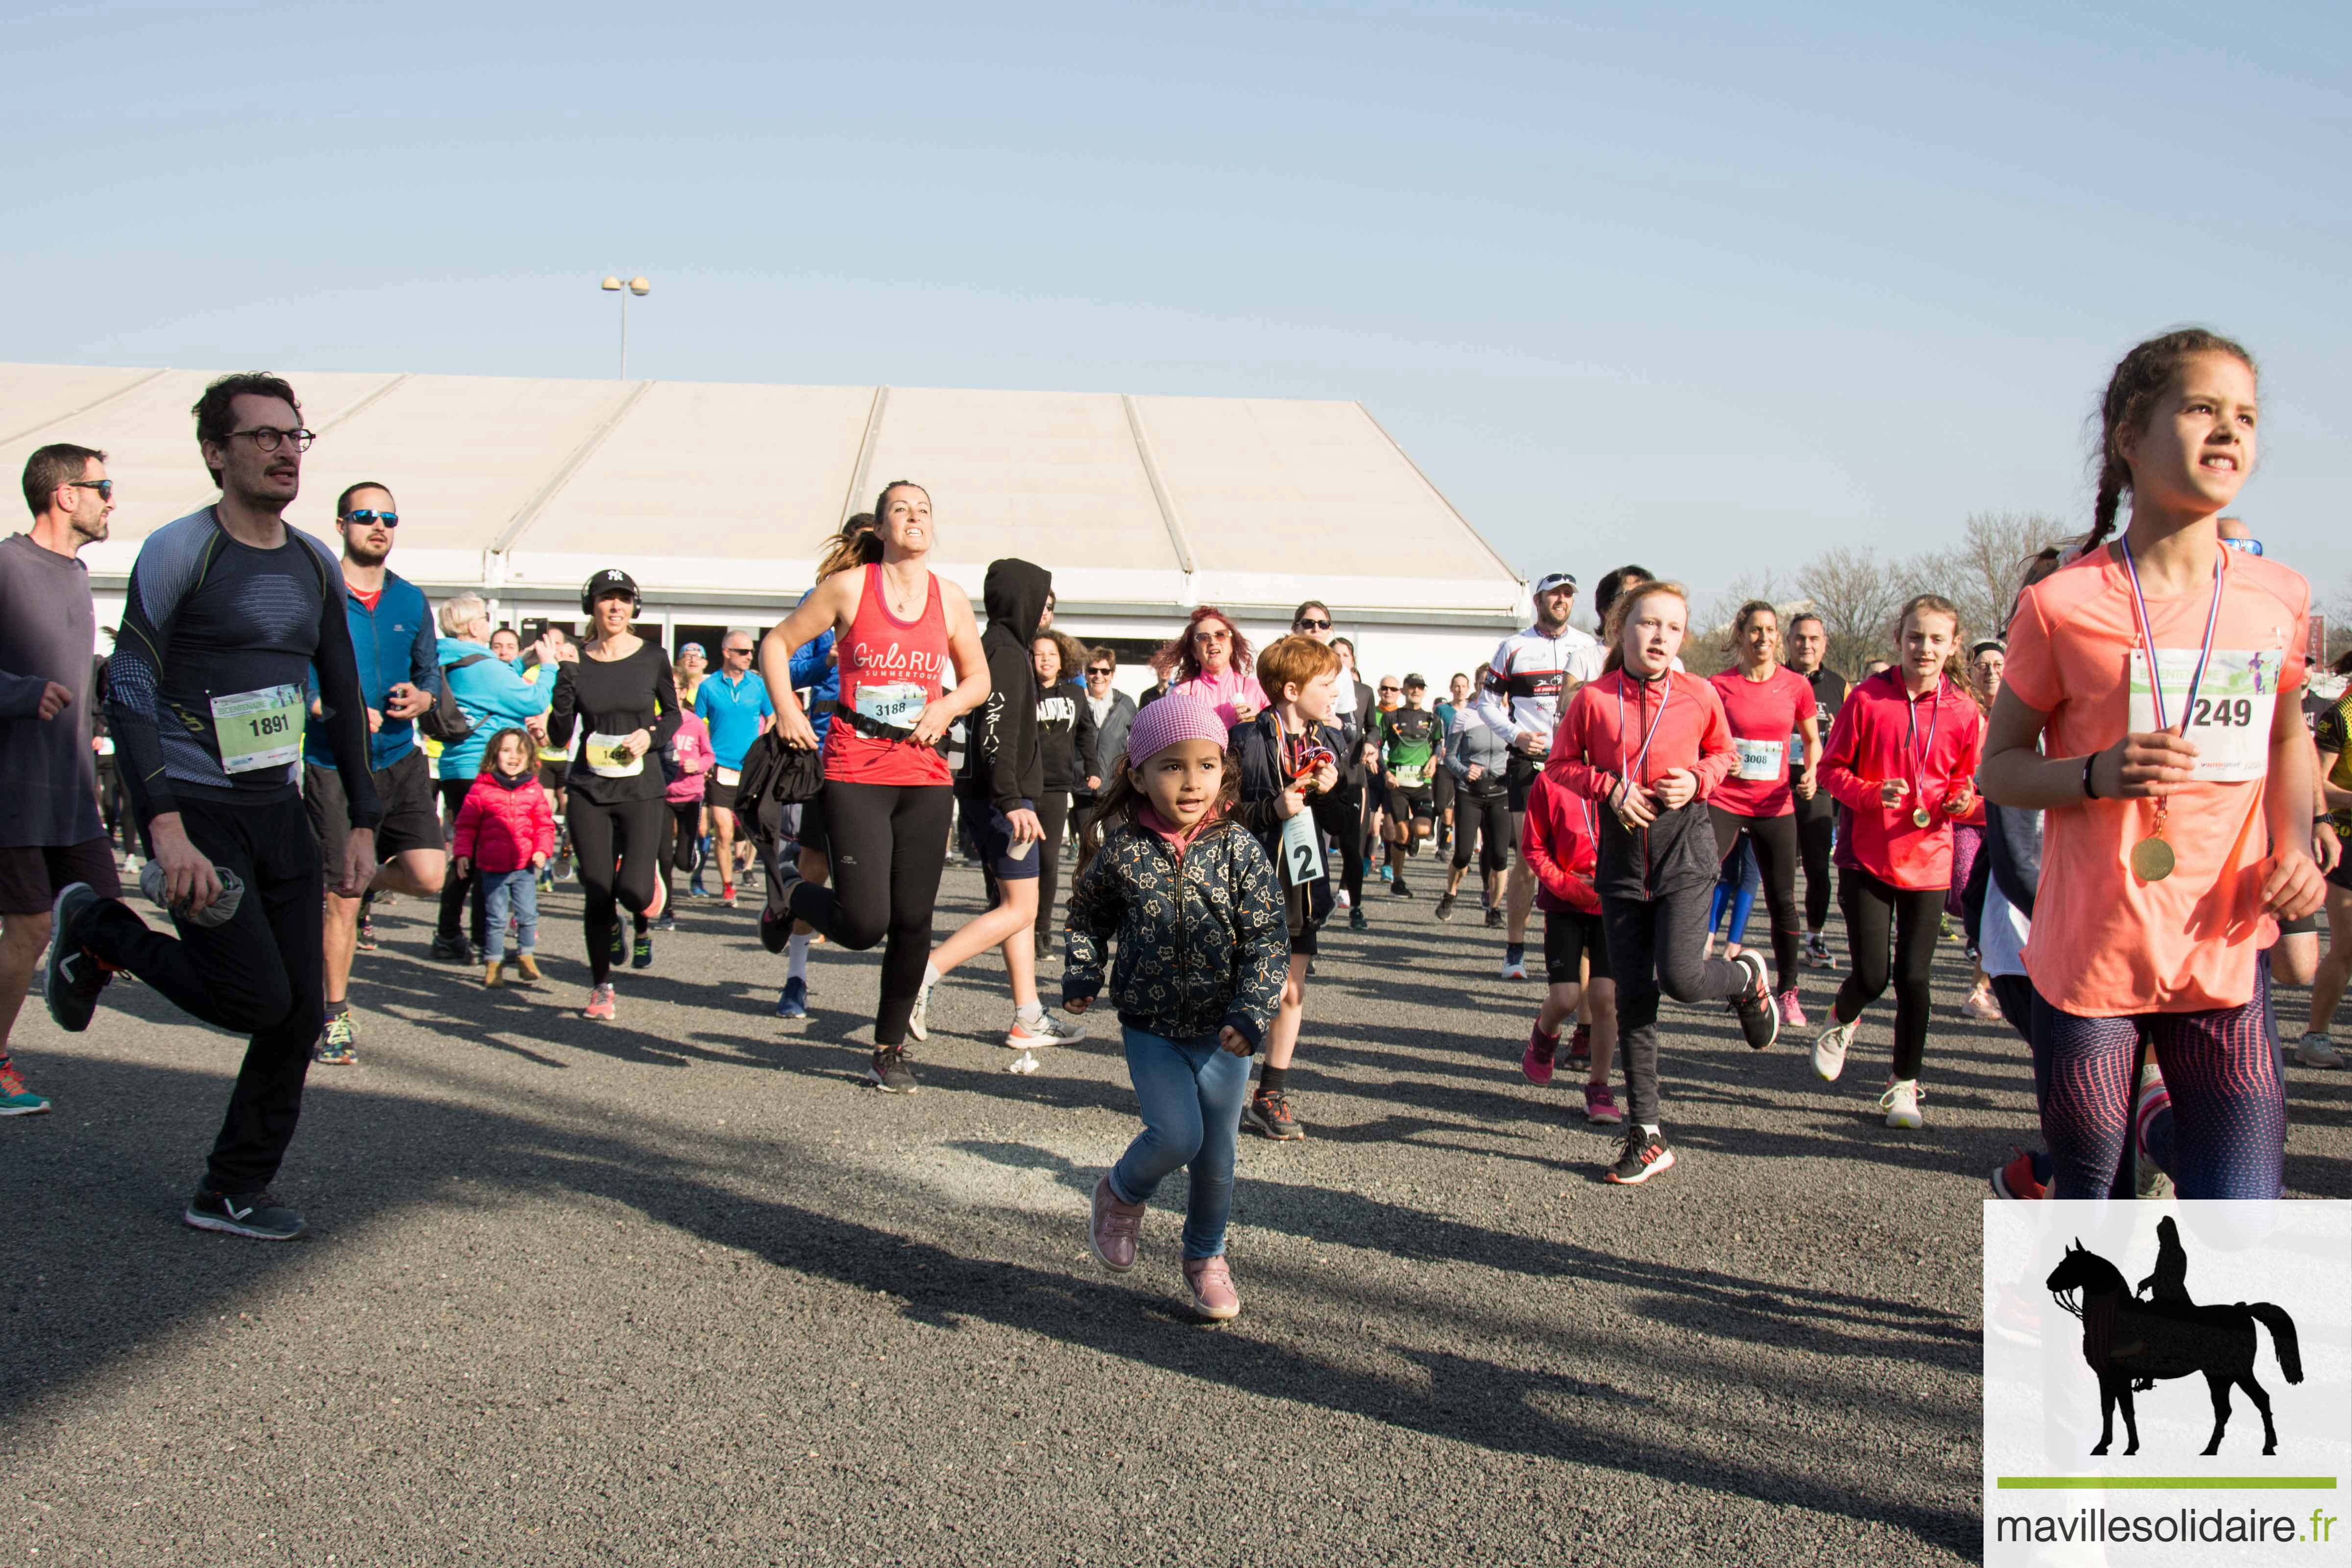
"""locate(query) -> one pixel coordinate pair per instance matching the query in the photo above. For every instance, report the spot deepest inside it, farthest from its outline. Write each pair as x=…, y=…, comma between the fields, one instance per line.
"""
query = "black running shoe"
x=255, y=1215
x=1646, y=1155
x=1357, y=921
x=452, y=949
x=1760, y=1020
x=1445, y=910
x=73, y=979
x=643, y=957
x=776, y=915
x=1397, y=890
x=621, y=942
x=1495, y=920
x=891, y=1072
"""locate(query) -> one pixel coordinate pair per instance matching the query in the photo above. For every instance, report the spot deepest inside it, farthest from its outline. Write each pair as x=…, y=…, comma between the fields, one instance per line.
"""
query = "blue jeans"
x=1191, y=1093
x=517, y=892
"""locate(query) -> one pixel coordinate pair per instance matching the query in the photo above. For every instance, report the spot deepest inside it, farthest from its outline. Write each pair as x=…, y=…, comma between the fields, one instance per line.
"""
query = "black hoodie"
x=1001, y=760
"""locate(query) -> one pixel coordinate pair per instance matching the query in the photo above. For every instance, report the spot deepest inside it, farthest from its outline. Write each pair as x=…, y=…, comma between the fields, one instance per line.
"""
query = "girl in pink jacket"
x=506, y=830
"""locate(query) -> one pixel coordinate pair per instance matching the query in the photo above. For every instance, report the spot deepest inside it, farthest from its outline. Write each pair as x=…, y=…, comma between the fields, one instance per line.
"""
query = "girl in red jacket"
x=1647, y=745
x=1901, y=761
x=1560, y=839
x=506, y=828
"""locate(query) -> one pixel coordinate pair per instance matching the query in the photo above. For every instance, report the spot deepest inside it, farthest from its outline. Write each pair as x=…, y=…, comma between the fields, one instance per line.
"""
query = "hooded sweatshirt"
x=1934, y=742
x=1001, y=760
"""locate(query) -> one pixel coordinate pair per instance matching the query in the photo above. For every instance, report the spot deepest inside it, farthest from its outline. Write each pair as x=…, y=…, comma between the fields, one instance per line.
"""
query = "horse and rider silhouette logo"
x=2133, y=1341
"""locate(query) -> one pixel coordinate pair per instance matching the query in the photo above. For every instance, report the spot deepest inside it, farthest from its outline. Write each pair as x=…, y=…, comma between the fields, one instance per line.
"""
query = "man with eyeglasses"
x=1338, y=812
x=51, y=834
x=227, y=610
x=1113, y=711
x=393, y=638
x=1521, y=703
x=734, y=702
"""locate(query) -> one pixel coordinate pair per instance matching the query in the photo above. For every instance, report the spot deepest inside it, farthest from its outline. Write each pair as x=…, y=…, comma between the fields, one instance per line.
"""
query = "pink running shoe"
x=600, y=1004
x=1541, y=1048
x=1114, y=1229
x=1792, y=1012
x=1213, y=1296
x=1601, y=1106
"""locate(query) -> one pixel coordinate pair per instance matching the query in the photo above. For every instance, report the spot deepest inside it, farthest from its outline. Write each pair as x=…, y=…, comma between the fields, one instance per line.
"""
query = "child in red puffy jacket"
x=1560, y=842
x=506, y=830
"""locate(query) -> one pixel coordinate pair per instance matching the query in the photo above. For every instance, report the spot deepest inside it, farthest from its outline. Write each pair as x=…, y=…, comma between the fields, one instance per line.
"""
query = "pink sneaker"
x=1792, y=1012
x=1980, y=1004
x=600, y=1004
x=1601, y=1106
x=1213, y=1289
x=1114, y=1229
x=1541, y=1048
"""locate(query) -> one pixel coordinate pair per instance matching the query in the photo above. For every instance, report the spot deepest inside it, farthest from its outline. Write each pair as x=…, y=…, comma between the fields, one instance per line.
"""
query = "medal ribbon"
x=1625, y=770
x=1918, y=760
x=2147, y=644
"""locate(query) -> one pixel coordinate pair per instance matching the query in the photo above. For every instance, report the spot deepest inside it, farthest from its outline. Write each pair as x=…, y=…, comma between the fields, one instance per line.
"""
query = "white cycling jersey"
x=1522, y=693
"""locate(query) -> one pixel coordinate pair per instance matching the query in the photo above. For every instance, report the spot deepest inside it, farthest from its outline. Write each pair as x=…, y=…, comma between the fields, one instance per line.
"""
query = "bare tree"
x=1705, y=650
x=1979, y=574
x=1856, y=595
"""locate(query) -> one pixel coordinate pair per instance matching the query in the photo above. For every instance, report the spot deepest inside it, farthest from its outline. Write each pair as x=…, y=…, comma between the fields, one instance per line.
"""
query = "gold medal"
x=1919, y=818
x=2151, y=859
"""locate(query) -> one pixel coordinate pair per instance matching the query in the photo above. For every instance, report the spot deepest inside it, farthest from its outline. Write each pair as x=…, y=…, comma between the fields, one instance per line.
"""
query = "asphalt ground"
x=680, y=1288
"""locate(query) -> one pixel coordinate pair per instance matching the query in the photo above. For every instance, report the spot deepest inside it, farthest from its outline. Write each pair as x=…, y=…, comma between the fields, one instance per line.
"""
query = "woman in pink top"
x=1779, y=737
x=1209, y=661
x=690, y=750
x=2177, y=810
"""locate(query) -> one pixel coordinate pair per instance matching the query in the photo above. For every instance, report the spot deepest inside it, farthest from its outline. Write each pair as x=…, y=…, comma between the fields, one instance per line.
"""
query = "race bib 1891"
x=2230, y=722
x=260, y=729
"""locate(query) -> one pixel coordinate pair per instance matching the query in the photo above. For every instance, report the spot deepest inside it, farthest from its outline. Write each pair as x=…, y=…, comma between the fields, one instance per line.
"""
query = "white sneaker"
x=2315, y=1051
x=1515, y=971
x=1901, y=1103
x=918, y=1022
x=1829, y=1049
x=1341, y=900
x=1048, y=1030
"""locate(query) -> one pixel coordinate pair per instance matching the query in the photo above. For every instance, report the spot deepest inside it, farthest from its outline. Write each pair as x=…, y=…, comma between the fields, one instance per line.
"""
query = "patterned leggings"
x=2229, y=1104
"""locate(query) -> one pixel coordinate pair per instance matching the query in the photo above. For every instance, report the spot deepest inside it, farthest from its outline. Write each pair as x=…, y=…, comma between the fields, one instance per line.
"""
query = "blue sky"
x=1698, y=285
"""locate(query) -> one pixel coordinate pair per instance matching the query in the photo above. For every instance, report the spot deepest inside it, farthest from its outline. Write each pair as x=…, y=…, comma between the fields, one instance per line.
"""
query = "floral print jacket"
x=1201, y=939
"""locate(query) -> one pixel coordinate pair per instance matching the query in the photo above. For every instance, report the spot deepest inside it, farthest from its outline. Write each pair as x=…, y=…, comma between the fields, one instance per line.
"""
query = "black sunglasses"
x=1304, y=625
x=389, y=519
x=105, y=488
x=1098, y=670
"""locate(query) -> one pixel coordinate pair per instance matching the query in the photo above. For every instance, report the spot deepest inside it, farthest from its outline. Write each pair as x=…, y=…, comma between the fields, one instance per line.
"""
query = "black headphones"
x=610, y=579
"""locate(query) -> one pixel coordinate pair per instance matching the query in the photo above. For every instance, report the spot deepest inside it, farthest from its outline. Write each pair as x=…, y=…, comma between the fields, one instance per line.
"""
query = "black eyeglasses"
x=265, y=438
x=389, y=519
x=105, y=488
x=1306, y=626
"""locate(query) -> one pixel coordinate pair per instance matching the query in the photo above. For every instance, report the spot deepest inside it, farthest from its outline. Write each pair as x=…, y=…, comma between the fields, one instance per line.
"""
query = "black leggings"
x=617, y=850
x=1878, y=915
x=681, y=839
x=457, y=891
x=1816, y=831
x=1053, y=814
x=889, y=845
x=1656, y=944
x=1341, y=815
x=1487, y=817
x=1775, y=838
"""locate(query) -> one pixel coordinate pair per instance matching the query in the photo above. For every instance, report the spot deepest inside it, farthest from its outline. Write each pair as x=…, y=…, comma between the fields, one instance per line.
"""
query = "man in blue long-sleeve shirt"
x=400, y=675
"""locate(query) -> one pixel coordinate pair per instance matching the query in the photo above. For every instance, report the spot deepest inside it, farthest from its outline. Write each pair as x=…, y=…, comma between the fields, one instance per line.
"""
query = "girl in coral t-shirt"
x=2177, y=801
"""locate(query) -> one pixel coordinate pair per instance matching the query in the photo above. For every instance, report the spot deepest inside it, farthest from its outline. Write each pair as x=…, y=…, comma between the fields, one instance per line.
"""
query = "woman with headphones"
x=619, y=691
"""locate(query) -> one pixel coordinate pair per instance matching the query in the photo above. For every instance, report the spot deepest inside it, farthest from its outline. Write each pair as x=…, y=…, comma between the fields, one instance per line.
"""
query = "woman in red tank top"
x=897, y=630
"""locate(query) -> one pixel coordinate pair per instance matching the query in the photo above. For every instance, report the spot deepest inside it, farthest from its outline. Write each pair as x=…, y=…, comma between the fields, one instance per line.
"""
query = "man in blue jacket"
x=392, y=634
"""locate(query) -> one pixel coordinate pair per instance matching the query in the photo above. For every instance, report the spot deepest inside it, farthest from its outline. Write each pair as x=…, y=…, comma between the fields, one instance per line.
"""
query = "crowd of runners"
x=2129, y=801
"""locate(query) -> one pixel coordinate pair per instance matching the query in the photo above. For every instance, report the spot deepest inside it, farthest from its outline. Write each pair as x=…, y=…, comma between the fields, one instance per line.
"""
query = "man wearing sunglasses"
x=393, y=637
x=1339, y=812
x=51, y=836
x=227, y=610
x=1521, y=704
x=735, y=704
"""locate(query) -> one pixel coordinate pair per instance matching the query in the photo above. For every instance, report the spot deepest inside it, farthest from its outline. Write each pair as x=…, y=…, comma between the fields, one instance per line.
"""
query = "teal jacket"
x=394, y=642
x=491, y=694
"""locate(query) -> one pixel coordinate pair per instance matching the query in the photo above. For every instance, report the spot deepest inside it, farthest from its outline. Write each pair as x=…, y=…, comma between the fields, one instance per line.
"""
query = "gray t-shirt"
x=49, y=778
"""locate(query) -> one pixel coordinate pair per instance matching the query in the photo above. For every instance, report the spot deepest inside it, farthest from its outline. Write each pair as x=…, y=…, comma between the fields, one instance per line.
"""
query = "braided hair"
x=2139, y=381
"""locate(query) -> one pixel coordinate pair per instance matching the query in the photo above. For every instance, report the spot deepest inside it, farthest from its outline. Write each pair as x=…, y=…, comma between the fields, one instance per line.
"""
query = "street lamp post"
x=639, y=286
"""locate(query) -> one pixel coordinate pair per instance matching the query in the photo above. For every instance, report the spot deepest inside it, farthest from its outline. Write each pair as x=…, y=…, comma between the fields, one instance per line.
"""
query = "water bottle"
x=220, y=912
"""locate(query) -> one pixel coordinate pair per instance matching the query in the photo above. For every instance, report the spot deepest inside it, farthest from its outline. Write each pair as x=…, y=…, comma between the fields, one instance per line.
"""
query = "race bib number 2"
x=2230, y=722
x=260, y=729
x=1302, y=859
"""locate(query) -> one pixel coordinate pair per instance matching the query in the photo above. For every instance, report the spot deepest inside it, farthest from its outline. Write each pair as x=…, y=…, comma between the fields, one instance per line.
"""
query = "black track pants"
x=889, y=845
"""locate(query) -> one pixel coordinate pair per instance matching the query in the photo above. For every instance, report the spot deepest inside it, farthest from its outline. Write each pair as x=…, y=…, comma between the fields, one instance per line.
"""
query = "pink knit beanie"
x=1162, y=724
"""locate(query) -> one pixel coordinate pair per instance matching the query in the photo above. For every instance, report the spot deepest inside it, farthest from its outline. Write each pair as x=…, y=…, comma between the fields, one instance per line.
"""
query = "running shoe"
x=1792, y=1012
x=363, y=940
x=1212, y=1283
x=256, y=1216
x=1445, y=910
x=1601, y=1106
x=727, y=894
x=1901, y=1103
x=1515, y=969
x=2316, y=1051
x=1980, y=1004
x=1829, y=1047
x=72, y=980
x=1817, y=952
x=641, y=955
x=599, y=1003
x=1580, y=1046
x=694, y=887
x=1385, y=873
x=564, y=868
x=1495, y=920
x=1357, y=921
x=15, y=1099
x=1047, y=1030
x=452, y=949
x=1760, y=1020
x=529, y=965
x=335, y=1045
x=2017, y=1179
x=1535, y=1062
x=1269, y=1116
x=1646, y=1155
x=666, y=924
x=494, y=975
x=793, y=1002
x=1397, y=890
x=918, y=1022
x=776, y=911
x=1343, y=899
x=1114, y=1228
x=891, y=1072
